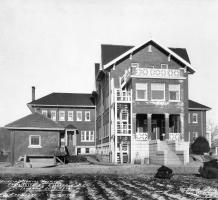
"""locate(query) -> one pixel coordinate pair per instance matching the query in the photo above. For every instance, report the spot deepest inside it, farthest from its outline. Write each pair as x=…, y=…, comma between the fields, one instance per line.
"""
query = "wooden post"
x=166, y=126
x=149, y=126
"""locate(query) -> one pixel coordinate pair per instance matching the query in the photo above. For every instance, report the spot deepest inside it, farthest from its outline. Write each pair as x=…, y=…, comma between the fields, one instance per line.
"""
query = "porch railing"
x=146, y=136
x=122, y=95
x=174, y=136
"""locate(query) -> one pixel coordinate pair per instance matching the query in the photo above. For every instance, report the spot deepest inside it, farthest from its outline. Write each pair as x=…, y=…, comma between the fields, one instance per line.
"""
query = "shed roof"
x=196, y=106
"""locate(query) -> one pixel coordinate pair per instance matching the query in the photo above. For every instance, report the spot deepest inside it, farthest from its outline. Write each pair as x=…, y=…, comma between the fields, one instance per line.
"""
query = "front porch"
x=159, y=127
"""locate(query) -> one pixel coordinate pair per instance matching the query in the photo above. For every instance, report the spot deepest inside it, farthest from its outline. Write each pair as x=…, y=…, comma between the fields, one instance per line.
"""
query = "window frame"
x=88, y=120
x=193, y=117
x=59, y=118
x=54, y=111
x=88, y=150
x=45, y=112
x=78, y=112
x=145, y=92
x=170, y=90
x=68, y=118
x=32, y=145
x=164, y=92
x=84, y=135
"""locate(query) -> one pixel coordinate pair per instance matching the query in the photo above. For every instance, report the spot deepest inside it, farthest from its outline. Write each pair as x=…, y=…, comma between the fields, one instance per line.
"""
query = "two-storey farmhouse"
x=139, y=111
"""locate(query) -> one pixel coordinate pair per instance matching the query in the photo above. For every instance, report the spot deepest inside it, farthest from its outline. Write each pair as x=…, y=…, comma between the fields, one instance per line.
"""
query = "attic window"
x=149, y=48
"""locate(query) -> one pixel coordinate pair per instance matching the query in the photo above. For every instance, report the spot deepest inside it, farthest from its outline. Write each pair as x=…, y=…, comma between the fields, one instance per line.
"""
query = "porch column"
x=182, y=126
x=166, y=126
x=65, y=137
x=149, y=126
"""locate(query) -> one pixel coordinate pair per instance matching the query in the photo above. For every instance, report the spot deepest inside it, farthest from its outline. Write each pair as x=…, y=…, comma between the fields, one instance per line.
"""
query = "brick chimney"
x=33, y=93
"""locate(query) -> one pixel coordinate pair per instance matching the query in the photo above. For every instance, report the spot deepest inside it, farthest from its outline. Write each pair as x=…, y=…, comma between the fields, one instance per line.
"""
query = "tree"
x=213, y=129
x=200, y=146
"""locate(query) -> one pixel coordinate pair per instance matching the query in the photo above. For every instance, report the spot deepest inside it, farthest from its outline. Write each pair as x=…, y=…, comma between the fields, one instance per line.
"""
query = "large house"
x=139, y=111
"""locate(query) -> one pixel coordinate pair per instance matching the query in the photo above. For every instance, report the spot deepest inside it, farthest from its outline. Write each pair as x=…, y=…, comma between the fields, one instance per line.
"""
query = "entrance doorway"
x=158, y=126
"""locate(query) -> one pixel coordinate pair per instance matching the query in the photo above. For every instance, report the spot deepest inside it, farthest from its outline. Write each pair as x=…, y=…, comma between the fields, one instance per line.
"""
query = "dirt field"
x=107, y=187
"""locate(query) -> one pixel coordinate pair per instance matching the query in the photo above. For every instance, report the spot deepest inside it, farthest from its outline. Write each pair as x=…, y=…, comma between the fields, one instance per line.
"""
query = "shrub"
x=200, y=146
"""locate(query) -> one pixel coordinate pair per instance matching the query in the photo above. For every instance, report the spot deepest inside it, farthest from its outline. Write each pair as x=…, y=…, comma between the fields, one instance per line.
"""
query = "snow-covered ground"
x=107, y=187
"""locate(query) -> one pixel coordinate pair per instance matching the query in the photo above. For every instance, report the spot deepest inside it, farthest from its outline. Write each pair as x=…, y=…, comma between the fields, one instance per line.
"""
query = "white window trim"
x=89, y=116
x=164, y=99
x=174, y=91
x=77, y=112
x=54, y=111
x=195, y=114
x=45, y=113
x=89, y=132
x=61, y=111
x=68, y=112
x=34, y=146
x=145, y=99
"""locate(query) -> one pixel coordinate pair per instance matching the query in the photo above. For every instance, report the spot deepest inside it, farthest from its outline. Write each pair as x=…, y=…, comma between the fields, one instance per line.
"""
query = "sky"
x=53, y=44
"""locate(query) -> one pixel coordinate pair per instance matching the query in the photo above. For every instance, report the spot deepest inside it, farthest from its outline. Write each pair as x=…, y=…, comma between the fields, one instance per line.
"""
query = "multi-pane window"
x=87, y=136
x=87, y=116
x=195, y=118
x=79, y=116
x=141, y=91
x=34, y=141
x=174, y=92
x=45, y=112
x=61, y=115
x=53, y=115
x=70, y=115
x=158, y=91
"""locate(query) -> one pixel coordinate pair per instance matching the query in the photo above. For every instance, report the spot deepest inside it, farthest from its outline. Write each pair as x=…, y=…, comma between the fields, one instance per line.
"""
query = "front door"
x=71, y=141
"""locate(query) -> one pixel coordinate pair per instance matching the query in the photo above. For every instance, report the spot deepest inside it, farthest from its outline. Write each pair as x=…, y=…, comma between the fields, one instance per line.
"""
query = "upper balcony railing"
x=138, y=72
x=122, y=95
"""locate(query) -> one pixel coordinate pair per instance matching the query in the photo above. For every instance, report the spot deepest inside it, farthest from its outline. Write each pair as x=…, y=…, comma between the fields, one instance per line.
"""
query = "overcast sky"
x=53, y=44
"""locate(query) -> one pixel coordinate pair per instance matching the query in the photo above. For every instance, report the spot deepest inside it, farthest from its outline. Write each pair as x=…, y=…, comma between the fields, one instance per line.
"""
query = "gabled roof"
x=34, y=121
x=193, y=105
x=65, y=99
x=178, y=53
x=110, y=52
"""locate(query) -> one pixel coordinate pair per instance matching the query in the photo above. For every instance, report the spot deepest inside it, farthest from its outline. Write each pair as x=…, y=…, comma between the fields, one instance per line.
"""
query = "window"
x=195, y=135
x=78, y=151
x=53, y=115
x=45, y=112
x=34, y=141
x=87, y=116
x=79, y=116
x=70, y=115
x=87, y=150
x=141, y=91
x=195, y=118
x=174, y=92
x=87, y=136
x=61, y=115
x=158, y=91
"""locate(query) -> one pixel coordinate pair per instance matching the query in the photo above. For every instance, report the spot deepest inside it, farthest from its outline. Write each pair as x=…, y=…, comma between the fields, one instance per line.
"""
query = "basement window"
x=34, y=141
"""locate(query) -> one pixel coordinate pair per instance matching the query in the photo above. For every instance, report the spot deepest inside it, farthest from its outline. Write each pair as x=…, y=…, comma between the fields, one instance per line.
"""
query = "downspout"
x=109, y=82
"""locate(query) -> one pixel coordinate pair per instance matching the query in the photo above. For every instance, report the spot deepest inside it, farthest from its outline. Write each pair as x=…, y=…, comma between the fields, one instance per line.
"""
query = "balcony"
x=122, y=95
x=137, y=72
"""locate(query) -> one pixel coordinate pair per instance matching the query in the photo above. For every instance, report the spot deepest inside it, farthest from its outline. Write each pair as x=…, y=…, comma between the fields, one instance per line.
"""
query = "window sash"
x=53, y=115
x=45, y=112
x=79, y=116
x=174, y=92
x=157, y=91
x=34, y=141
x=141, y=91
x=61, y=115
x=87, y=136
x=87, y=116
x=70, y=116
x=195, y=118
